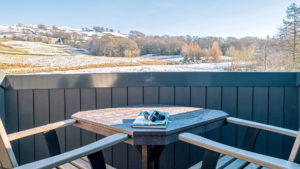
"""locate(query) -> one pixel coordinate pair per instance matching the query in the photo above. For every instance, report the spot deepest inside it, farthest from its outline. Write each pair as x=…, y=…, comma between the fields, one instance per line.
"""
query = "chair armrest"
x=271, y=128
x=252, y=157
x=77, y=153
x=41, y=129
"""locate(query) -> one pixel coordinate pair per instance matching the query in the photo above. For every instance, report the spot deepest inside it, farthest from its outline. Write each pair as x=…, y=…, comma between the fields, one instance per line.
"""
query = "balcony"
x=28, y=101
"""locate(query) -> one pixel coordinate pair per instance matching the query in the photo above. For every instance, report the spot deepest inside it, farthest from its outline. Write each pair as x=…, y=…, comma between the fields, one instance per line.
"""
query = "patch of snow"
x=203, y=67
x=3, y=28
x=174, y=58
x=225, y=58
x=115, y=34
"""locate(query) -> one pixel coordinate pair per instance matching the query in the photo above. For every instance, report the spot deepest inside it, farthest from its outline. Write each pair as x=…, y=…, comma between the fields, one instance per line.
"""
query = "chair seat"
x=228, y=162
x=81, y=163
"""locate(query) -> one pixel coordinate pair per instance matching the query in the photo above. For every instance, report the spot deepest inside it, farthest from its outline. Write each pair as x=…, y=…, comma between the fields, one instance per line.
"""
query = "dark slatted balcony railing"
x=27, y=101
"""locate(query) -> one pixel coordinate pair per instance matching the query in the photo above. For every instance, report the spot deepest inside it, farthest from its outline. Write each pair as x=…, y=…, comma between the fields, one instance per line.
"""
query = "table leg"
x=150, y=156
x=97, y=160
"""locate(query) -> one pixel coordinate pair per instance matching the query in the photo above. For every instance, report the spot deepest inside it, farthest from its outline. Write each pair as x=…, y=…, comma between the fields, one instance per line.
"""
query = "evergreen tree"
x=289, y=33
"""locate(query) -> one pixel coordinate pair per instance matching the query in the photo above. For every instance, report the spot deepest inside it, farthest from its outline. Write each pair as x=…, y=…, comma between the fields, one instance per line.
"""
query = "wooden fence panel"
x=290, y=119
x=198, y=99
x=260, y=114
x=103, y=100
x=25, y=101
x=151, y=95
x=245, y=98
x=41, y=117
x=213, y=101
x=167, y=95
x=72, y=105
x=182, y=97
x=119, y=98
x=88, y=102
x=166, y=160
x=57, y=113
x=135, y=97
x=276, y=102
x=12, y=118
x=229, y=105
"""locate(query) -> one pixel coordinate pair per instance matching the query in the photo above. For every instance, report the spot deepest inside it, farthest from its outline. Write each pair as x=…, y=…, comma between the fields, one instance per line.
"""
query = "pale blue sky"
x=224, y=18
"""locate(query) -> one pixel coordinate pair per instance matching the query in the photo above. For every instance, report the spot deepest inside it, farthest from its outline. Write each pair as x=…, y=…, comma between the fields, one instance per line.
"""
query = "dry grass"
x=20, y=52
x=4, y=39
x=5, y=46
x=14, y=59
x=4, y=66
x=23, y=68
x=7, y=49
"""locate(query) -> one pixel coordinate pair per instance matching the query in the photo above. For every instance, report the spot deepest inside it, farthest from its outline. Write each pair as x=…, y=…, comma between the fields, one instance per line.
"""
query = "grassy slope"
x=16, y=60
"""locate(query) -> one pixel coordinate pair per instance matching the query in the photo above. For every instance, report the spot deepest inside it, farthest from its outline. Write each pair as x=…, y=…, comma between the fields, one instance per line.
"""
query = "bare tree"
x=216, y=50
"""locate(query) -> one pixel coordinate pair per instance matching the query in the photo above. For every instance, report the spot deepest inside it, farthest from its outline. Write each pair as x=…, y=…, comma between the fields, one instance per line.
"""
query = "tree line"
x=278, y=53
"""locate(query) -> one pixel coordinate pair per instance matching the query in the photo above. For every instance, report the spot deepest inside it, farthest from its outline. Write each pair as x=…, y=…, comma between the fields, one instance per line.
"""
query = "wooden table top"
x=113, y=120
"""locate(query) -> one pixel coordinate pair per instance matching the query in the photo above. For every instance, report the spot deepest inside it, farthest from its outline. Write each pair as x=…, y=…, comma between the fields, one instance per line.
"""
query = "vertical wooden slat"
x=260, y=114
x=41, y=117
x=25, y=100
x=290, y=117
x=166, y=95
x=245, y=99
x=12, y=117
x=166, y=161
x=135, y=97
x=182, y=97
x=119, y=98
x=198, y=95
x=213, y=101
x=103, y=96
x=276, y=101
x=88, y=102
x=57, y=113
x=198, y=99
x=229, y=105
x=72, y=103
x=151, y=95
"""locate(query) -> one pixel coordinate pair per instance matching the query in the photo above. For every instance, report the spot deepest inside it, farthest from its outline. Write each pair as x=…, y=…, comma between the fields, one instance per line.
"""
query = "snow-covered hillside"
x=23, y=30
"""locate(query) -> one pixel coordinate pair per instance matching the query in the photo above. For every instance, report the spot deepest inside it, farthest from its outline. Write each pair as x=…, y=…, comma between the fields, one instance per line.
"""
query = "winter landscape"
x=31, y=49
x=27, y=48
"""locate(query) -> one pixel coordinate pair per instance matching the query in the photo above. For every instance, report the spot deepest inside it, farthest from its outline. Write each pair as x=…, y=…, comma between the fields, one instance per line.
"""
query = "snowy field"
x=173, y=58
x=19, y=57
x=24, y=57
x=203, y=67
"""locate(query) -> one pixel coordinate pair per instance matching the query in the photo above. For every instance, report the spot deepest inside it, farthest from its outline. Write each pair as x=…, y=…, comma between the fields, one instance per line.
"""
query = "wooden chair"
x=218, y=155
x=71, y=159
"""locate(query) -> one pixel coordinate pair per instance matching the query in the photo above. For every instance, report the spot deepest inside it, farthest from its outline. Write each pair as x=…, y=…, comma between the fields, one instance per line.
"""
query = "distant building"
x=59, y=41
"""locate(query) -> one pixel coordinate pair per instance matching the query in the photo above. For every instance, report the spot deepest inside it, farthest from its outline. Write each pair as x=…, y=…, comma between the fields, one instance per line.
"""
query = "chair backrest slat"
x=295, y=153
x=8, y=159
